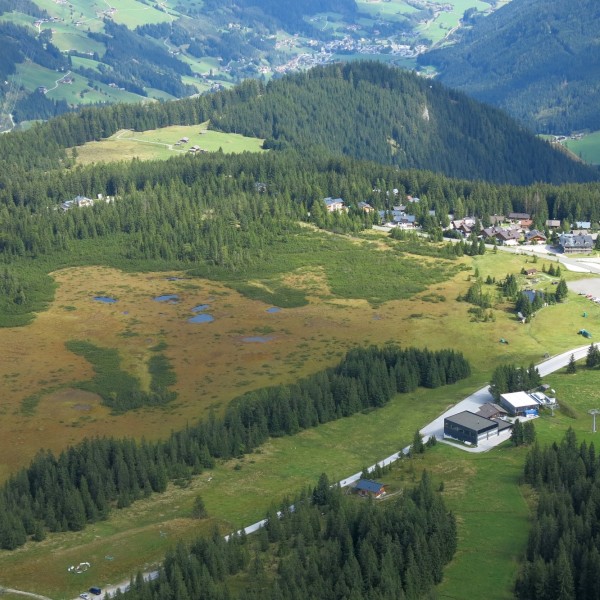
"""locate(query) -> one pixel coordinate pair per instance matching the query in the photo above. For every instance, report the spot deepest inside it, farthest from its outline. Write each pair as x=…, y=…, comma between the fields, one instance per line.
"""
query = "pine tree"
x=528, y=433
x=561, y=291
x=593, y=357
x=517, y=435
x=571, y=367
x=199, y=508
x=417, y=446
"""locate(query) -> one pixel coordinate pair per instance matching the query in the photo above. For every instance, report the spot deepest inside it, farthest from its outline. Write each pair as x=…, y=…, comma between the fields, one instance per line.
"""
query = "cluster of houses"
x=510, y=230
x=494, y=419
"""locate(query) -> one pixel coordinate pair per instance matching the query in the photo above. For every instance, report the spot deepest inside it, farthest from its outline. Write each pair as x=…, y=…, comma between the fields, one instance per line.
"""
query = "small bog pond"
x=200, y=308
x=201, y=318
x=273, y=309
x=257, y=339
x=105, y=299
x=167, y=298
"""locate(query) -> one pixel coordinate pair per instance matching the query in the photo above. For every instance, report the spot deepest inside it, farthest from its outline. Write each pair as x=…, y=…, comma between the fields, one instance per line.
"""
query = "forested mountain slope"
x=536, y=59
x=364, y=110
x=370, y=111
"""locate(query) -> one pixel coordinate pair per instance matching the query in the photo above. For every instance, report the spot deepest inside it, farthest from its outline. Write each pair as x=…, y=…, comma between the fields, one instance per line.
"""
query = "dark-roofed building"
x=535, y=236
x=570, y=243
x=368, y=487
x=469, y=427
x=524, y=219
x=490, y=410
x=496, y=219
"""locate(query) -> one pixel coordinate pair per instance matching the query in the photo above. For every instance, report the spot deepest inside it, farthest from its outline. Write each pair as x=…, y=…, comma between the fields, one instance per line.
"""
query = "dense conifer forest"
x=535, y=59
x=330, y=546
x=563, y=550
x=81, y=485
x=363, y=110
x=216, y=214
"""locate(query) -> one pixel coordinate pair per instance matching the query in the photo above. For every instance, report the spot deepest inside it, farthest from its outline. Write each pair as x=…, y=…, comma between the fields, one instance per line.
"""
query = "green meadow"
x=587, y=148
x=163, y=144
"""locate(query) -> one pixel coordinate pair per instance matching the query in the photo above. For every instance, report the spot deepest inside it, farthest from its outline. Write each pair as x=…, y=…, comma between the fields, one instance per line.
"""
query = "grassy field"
x=587, y=148
x=162, y=144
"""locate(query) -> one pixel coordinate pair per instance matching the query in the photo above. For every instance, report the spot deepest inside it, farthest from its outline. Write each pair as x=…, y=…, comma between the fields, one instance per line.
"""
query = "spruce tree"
x=571, y=367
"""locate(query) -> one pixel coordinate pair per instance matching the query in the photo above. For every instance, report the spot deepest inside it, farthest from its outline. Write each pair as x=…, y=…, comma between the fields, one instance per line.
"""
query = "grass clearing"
x=587, y=148
x=162, y=144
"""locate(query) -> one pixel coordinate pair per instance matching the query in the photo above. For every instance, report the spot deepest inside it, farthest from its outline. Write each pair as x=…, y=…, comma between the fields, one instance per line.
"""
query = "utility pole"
x=594, y=412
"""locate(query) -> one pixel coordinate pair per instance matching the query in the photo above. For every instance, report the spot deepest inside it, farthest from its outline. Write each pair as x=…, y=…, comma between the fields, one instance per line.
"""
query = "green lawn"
x=587, y=148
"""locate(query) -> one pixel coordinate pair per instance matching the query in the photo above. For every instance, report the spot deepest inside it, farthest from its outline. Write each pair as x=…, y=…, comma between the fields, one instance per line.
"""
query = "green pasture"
x=66, y=38
x=396, y=10
x=85, y=63
x=587, y=148
x=133, y=12
x=160, y=144
x=438, y=28
x=19, y=19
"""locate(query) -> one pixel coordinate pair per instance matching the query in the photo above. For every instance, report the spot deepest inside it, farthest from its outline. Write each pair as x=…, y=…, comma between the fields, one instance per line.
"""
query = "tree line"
x=562, y=560
x=330, y=546
x=85, y=481
x=511, y=378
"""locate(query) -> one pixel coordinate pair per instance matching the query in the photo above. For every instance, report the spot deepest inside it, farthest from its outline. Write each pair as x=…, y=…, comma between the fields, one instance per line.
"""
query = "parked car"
x=95, y=590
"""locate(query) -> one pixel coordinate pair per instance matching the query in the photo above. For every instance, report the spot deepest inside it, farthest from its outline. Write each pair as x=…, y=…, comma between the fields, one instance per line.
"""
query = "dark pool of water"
x=274, y=309
x=201, y=318
x=105, y=299
x=167, y=298
x=200, y=308
x=260, y=339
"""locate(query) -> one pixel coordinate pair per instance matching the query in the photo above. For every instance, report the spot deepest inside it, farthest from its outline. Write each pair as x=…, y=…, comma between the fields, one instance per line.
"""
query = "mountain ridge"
x=536, y=59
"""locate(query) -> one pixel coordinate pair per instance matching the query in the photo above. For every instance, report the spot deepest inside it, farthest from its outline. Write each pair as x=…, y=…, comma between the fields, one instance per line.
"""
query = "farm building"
x=368, y=487
x=519, y=403
x=469, y=427
x=490, y=410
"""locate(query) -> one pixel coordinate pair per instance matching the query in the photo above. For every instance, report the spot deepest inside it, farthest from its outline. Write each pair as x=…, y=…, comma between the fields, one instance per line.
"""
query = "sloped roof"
x=368, y=485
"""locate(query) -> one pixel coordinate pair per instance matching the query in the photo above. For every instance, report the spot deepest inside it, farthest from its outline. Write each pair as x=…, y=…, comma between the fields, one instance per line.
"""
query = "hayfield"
x=162, y=144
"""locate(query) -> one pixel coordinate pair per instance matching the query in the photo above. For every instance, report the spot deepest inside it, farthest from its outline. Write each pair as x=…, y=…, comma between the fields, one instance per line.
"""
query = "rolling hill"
x=363, y=110
x=370, y=111
x=536, y=59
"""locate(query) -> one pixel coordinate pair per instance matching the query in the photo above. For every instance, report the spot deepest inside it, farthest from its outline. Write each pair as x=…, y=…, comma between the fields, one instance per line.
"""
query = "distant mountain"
x=370, y=111
x=537, y=59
